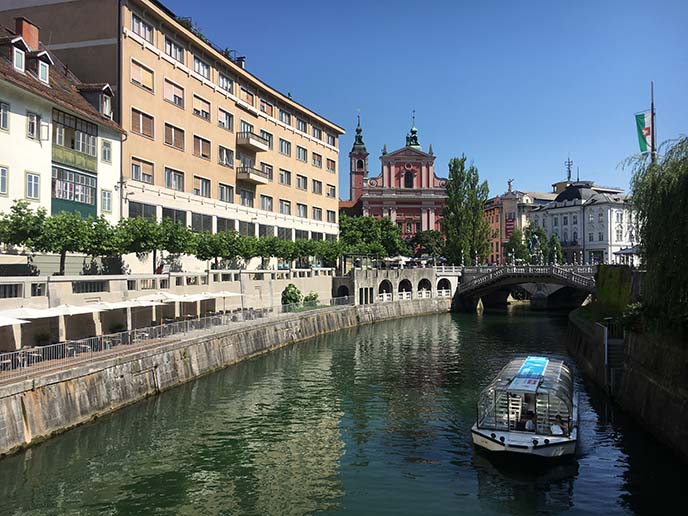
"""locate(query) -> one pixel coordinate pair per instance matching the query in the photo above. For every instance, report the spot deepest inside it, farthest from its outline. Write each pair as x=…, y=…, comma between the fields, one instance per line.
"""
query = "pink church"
x=407, y=189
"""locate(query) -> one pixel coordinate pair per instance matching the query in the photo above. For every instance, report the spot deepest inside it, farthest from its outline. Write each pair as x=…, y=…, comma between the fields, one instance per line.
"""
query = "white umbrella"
x=76, y=310
x=10, y=321
x=29, y=313
x=164, y=297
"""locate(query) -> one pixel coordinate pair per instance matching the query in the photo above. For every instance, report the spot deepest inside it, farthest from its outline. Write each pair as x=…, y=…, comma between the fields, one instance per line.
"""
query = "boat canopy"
x=537, y=388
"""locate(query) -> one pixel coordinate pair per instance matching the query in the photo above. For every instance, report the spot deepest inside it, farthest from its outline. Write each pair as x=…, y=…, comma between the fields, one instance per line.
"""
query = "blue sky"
x=516, y=86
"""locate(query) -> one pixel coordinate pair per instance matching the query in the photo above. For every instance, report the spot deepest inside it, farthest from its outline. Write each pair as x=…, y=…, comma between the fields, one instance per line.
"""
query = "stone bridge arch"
x=444, y=284
x=405, y=286
x=424, y=284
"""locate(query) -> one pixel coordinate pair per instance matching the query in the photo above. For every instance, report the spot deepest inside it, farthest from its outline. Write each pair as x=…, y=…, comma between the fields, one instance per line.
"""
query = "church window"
x=359, y=164
x=408, y=179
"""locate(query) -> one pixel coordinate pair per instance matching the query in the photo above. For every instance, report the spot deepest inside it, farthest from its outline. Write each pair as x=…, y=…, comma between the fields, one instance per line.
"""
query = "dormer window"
x=19, y=59
x=107, y=105
x=43, y=72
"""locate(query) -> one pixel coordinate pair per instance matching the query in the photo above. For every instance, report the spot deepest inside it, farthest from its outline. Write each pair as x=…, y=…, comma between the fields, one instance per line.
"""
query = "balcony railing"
x=252, y=141
x=252, y=175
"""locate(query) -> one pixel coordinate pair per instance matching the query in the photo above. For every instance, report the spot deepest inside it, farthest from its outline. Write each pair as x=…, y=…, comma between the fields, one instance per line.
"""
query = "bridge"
x=494, y=283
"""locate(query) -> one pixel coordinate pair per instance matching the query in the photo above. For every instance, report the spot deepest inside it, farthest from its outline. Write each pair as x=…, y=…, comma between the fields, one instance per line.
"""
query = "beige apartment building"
x=208, y=143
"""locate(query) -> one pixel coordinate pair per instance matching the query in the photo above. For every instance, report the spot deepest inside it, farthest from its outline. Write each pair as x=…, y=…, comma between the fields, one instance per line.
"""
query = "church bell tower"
x=358, y=164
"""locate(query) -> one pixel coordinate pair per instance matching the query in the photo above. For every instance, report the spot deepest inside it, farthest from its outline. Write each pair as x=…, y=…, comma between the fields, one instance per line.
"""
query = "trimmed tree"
x=22, y=226
x=516, y=247
x=139, y=235
x=64, y=233
x=429, y=242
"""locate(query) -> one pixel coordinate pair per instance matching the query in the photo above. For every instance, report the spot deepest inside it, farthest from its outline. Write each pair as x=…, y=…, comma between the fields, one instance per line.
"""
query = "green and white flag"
x=643, y=122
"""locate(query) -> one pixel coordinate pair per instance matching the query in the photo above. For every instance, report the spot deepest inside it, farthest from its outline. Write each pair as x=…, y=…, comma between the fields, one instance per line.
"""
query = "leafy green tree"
x=266, y=248
x=291, y=295
x=467, y=231
x=208, y=246
x=429, y=242
x=390, y=238
x=63, y=233
x=659, y=200
x=101, y=239
x=516, y=247
x=247, y=247
x=329, y=251
x=538, y=246
x=175, y=238
x=22, y=226
x=368, y=235
x=556, y=255
x=139, y=235
x=305, y=248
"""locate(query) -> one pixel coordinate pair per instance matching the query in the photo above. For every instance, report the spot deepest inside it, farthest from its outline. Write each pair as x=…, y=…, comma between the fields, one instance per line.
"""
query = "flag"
x=643, y=122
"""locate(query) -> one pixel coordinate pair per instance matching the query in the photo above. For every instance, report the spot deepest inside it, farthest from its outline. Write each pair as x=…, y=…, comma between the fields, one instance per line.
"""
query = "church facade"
x=406, y=190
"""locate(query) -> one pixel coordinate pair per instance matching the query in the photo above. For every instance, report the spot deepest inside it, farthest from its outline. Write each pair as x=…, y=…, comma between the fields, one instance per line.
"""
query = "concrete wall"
x=34, y=409
x=585, y=342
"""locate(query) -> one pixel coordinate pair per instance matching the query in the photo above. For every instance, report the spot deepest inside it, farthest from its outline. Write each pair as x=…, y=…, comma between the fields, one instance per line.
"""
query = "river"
x=374, y=420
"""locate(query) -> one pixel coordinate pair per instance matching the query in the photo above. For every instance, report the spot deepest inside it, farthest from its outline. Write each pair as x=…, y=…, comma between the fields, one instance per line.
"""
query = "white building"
x=591, y=222
x=59, y=148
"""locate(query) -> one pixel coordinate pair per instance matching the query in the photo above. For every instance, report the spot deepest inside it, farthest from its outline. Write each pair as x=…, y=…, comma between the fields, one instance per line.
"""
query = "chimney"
x=27, y=30
x=241, y=61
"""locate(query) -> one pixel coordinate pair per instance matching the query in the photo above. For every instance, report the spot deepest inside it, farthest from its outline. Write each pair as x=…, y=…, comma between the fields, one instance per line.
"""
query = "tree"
x=515, y=246
x=266, y=248
x=63, y=233
x=429, y=242
x=538, y=247
x=139, y=235
x=22, y=226
x=368, y=235
x=247, y=247
x=467, y=231
x=659, y=195
x=329, y=251
x=175, y=238
x=390, y=238
x=291, y=295
x=555, y=253
x=101, y=239
x=208, y=246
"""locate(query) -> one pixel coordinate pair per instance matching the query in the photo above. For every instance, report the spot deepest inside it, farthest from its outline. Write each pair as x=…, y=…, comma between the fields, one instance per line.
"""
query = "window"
x=317, y=160
x=590, y=237
x=137, y=209
x=225, y=83
x=201, y=186
x=176, y=216
x=141, y=171
x=201, y=223
x=590, y=217
x=566, y=236
x=174, y=50
x=106, y=151
x=600, y=217
x=141, y=123
x=317, y=187
x=225, y=225
x=33, y=124
x=331, y=216
x=566, y=220
x=174, y=93
x=301, y=210
x=174, y=179
x=107, y=105
x=141, y=28
x=600, y=236
x=267, y=170
x=331, y=165
x=331, y=140
x=284, y=233
x=225, y=193
x=43, y=72
x=317, y=133
x=574, y=219
x=285, y=117
x=408, y=179
x=246, y=127
x=575, y=237
x=619, y=217
x=265, y=230
x=301, y=182
x=201, y=108
x=285, y=147
x=85, y=143
x=226, y=156
x=301, y=234
x=555, y=222
x=267, y=137
x=284, y=177
x=246, y=96
x=19, y=59
x=301, y=154
x=285, y=207
x=619, y=235
x=141, y=76
x=247, y=228
x=106, y=201
x=301, y=125
x=359, y=164
x=266, y=203
x=225, y=119
x=201, y=67
x=4, y=116
x=4, y=175
x=247, y=197
x=246, y=160
x=201, y=147
x=74, y=133
x=266, y=107
x=174, y=136
x=317, y=213
x=331, y=191
x=33, y=186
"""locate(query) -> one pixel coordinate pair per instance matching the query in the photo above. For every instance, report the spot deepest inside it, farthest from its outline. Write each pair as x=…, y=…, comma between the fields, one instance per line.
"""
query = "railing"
x=27, y=361
x=573, y=274
x=256, y=171
x=246, y=135
x=424, y=294
x=448, y=269
x=384, y=297
x=442, y=293
x=405, y=296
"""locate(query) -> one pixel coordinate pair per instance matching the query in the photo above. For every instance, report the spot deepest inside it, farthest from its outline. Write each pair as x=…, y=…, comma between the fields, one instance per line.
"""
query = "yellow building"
x=208, y=143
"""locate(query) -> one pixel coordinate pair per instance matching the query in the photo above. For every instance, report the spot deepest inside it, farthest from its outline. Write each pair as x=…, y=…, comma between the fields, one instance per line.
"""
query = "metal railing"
x=28, y=361
x=573, y=274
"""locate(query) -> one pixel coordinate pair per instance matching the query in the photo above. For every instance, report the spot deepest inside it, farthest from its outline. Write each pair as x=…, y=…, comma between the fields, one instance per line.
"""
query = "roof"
x=555, y=377
x=63, y=89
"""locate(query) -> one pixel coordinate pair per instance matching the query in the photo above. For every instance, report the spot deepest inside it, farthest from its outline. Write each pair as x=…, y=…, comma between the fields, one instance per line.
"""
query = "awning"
x=56, y=311
x=10, y=321
x=227, y=293
x=163, y=297
x=132, y=303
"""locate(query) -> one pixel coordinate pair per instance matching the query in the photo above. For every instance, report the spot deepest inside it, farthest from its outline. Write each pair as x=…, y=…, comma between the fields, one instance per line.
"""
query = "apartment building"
x=209, y=144
x=59, y=148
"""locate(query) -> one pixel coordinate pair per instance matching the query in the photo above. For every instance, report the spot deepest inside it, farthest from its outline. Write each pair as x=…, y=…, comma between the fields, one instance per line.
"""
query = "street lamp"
x=476, y=258
x=461, y=257
x=513, y=256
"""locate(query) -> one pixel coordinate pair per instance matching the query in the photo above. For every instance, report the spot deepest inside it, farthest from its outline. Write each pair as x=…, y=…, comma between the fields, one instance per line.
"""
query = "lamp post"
x=461, y=257
x=513, y=256
x=476, y=258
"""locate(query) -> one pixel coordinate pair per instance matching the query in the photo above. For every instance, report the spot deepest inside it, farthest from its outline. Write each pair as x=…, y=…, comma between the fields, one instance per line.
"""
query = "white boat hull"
x=525, y=443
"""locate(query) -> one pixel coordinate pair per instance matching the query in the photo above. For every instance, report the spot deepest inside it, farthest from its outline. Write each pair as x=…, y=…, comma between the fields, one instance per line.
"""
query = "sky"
x=518, y=87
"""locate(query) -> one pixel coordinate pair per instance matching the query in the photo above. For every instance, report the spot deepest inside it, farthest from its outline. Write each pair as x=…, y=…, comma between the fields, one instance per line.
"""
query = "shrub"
x=311, y=299
x=291, y=295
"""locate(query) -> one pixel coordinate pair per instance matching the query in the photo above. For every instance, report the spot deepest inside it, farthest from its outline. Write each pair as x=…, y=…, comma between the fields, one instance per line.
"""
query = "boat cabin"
x=527, y=396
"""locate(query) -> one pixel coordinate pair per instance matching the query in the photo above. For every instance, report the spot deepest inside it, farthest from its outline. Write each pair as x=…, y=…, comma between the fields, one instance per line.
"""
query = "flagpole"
x=652, y=116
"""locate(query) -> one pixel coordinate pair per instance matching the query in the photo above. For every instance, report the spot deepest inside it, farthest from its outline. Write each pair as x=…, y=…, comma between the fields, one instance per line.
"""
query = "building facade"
x=592, y=223
x=59, y=148
x=406, y=190
x=209, y=144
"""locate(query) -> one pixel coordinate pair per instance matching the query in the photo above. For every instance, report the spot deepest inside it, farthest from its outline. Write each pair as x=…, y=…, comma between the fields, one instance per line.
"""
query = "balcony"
x=252, y=175
x=252, y=141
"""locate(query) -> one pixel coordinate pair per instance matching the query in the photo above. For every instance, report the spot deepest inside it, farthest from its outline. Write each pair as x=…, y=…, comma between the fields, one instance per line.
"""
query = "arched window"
x=408, y=179
x=359, y=164
x=575, y=236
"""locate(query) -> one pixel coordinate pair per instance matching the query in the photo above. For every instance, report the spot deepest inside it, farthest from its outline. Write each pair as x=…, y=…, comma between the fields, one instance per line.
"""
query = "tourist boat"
x=531, y=408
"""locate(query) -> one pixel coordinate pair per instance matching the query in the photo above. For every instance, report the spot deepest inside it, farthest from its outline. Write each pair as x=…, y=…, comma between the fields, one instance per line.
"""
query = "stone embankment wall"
x=585, y=342
x=655, y=386
x=36, y=408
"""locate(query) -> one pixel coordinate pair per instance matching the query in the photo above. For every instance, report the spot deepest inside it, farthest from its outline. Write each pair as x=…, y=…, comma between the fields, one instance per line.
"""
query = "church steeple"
x=412, y=136
x=359, y=145
x=358, y=164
